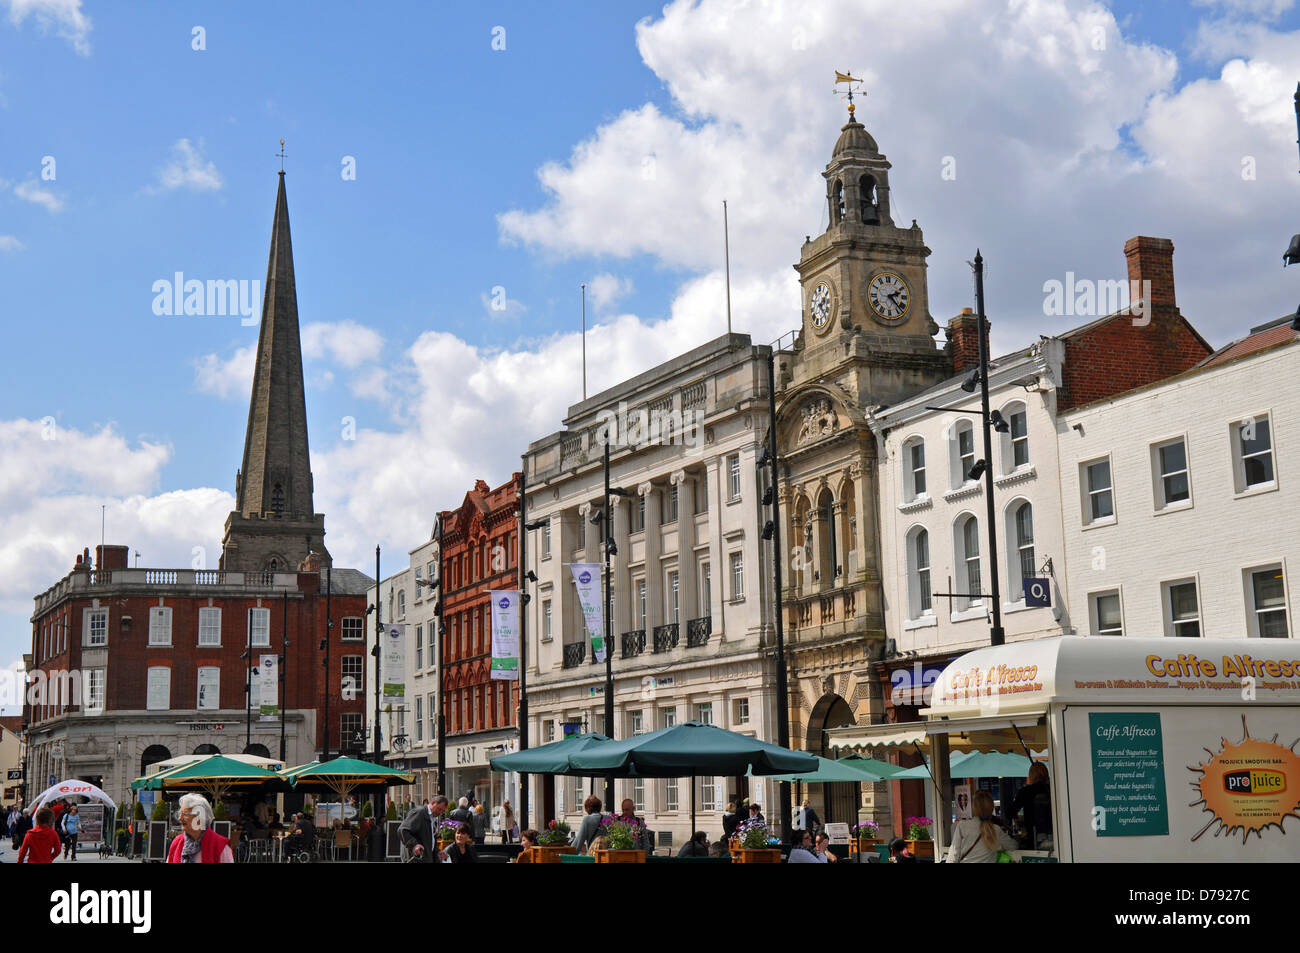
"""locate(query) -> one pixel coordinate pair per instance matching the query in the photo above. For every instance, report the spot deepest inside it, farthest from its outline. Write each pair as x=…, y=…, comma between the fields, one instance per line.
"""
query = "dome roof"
x=855, y=138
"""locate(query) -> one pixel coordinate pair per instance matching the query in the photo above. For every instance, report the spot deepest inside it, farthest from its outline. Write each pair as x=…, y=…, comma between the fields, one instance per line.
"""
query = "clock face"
x=820, y=306
x=888, y=295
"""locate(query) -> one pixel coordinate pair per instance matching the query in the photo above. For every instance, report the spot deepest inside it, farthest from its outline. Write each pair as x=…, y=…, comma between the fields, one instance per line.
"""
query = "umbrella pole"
x=692, y=805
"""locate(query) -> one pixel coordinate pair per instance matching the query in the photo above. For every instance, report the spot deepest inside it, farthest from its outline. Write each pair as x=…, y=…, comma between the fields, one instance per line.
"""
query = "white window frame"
x=546, y=540
x=401, y=604
x=915, y=589
x=547, y=633
x=354, y=624
x=1094, y=611
x=963, y=558
x=733, y=478
x=160, y=626
x=1238, y=431
x=740, y=711
x=706, y=588
x=700, y=709
x=1007, y=441
x=89, y=627
x=213, y=679
x=1015, y=550
x=96, y=683
x=957, y=466
x=910, y=470
x=419, y=646
x=358, y=674
x=639, y=604
x=1167, y=607
x=431, y=712
x=151, y=678
x=1252, y=608
x=736, y=573
x=209, y=613
x=419, y=718
x=1159, y=476
x=1087, y=491
x=672, y=593
x=671, y=506
x=257, y=613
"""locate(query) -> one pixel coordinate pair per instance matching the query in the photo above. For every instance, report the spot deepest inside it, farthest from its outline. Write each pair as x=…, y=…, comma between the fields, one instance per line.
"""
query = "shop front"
x=469, y=772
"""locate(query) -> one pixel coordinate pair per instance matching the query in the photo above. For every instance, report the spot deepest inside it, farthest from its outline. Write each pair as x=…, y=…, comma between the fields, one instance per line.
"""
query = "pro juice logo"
x=1243, y=786
x=1254, y=782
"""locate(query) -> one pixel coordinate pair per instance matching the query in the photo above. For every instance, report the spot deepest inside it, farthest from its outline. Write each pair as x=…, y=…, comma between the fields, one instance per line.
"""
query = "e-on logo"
x=584, y=577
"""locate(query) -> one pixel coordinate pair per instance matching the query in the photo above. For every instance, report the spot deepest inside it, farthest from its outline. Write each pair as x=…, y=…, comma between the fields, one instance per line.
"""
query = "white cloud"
x=31, y=191
x=65, y=17
x=226, y=377
x=1268, y=10
x=347, y=343
x=498, y=306
x=8, y=243
x=190, y=169
x=605, y=289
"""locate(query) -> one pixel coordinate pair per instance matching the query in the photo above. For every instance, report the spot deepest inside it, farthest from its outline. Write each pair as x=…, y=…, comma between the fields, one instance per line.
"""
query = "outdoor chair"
x=259, y=850
x=342, y=842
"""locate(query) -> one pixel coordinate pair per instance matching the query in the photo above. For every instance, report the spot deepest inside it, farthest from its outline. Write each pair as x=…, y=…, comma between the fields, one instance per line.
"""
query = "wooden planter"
x=549, y=855
x=864, y=845
x=921, y=848
x=620, y=856
x=764, y=855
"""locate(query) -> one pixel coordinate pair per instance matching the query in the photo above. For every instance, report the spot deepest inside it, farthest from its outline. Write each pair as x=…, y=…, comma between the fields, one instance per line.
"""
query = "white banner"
x=587, y=578
x=505, y=633
x=268, y=687
x=394, y=655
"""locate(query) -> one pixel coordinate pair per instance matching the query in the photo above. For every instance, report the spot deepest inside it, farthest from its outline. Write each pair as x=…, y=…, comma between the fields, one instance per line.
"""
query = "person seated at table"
x=899, y=854
x=697, y=846
x=303, y=836
x=275, y=824
x=719, y=849
x=600, y=843
x=823, y=842
x=803, y=851
x=527, y=839
x=462, y=851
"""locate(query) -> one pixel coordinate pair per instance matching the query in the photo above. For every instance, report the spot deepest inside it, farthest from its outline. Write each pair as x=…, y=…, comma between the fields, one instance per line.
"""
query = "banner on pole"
x=268, y=687
x=505, y=633
x=587, y=578
x=394, y=655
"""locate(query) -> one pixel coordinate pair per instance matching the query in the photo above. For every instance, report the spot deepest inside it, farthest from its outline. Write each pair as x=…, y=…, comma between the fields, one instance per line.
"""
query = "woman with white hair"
x=198, y=843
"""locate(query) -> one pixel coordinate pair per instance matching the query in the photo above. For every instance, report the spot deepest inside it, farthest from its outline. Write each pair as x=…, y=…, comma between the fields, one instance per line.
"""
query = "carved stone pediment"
x=818, y=419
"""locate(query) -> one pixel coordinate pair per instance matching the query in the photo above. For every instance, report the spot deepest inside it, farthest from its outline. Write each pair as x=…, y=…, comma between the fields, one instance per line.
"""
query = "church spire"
x=274, y=525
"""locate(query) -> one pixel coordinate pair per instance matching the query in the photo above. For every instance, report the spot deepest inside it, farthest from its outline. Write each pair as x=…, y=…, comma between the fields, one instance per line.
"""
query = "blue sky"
x=589, y=149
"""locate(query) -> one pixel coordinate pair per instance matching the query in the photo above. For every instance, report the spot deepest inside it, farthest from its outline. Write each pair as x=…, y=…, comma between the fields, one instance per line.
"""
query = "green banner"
x=1128, y=774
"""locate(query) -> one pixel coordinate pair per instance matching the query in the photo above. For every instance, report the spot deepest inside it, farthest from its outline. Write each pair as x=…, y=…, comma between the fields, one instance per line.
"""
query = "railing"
x=828, y=609
x=574, y=653
x=209, y=577
x=666, y=637
x=850, y=604
x=160, y=577
x=698, y=632
x=633, y=642
x=694, y=396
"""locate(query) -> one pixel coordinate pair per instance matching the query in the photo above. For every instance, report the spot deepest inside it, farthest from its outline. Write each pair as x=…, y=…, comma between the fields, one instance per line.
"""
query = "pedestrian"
x=756, y=813
x=462, y=812
x=478, y=824
x=806, y=818
x=730, y=820
x=71, y=825
x=586, y=832
x=23, y=825
x=41, y=843
x=508, y=828
x=977, y=840
x=697, y=846
x=198, y=843
x=462, y=851
x=416, y=831
x=803, y=851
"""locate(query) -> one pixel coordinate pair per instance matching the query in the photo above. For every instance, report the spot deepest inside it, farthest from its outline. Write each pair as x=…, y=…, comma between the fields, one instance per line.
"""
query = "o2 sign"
x=1038, y=593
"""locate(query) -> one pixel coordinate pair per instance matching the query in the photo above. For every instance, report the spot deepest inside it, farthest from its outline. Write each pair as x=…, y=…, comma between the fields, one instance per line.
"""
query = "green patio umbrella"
x=993, y=764
x=829, y=771
x=872, y=765
x=342, y=776
x=922, y=771
x=552, y=758
x=214, y=776
x=689, y=749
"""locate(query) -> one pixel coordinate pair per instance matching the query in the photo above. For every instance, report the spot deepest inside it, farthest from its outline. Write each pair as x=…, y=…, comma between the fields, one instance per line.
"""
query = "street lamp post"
x=782, y=685
x=608, y=528
x=997, y=635
x=284, y=654
x=329, y=635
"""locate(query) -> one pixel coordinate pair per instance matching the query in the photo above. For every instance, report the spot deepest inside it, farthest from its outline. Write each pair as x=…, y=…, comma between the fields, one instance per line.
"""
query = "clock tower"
x=864, y=275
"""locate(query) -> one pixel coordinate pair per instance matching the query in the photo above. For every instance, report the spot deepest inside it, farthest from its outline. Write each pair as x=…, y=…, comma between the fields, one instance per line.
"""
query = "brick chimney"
x=1151, y=259
x=963, y=345
x=112, y=557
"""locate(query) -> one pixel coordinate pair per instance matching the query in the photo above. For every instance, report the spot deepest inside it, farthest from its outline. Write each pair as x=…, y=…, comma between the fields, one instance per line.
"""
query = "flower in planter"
x=918, y=828
x=623, y=833
x=753, y=834
x=867, y=829
x=446, y=830
x=555, y=835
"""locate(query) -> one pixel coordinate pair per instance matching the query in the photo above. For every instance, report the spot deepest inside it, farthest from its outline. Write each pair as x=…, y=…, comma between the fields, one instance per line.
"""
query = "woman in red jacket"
x=41, y=845
x=199, y=844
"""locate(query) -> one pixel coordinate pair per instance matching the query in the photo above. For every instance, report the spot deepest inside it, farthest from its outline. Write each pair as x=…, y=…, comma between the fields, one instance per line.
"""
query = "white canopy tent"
x=74, y=788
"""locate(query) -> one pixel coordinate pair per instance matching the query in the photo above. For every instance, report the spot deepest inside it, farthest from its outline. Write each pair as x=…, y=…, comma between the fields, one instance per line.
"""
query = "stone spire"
x=273, y=525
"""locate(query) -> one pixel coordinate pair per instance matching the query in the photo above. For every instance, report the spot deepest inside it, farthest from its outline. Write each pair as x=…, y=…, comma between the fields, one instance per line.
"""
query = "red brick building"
x=480, y=552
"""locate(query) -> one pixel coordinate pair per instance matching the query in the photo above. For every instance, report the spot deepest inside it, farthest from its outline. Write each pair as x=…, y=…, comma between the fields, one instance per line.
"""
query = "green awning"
x=829, y=771
x=551, y=758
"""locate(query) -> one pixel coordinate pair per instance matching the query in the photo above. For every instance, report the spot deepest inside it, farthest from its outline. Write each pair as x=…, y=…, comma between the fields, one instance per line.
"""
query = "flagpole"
x=584, y=341
x=726, y=251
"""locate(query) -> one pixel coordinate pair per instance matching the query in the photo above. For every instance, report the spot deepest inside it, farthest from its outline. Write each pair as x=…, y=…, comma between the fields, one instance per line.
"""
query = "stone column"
x=817, y=556
x=654, y=585
x=622, y=580
x=687, y=570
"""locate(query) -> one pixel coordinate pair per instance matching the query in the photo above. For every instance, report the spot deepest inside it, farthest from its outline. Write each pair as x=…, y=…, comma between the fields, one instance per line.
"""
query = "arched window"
x=1014, y=444
x=966, y=546
x=919, y=602
x=914, y=485
x=837, y=202
x=848, y=529
x=826, y=516
x=401, y=604
x=867, y=200
x=152, y=755
x=277, y=500
x=207, y=749
x=1020, y=551
x=961, y=454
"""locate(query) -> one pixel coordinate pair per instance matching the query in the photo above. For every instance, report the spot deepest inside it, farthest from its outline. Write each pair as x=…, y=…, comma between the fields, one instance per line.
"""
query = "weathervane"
x=851, y=83
x=281, y=154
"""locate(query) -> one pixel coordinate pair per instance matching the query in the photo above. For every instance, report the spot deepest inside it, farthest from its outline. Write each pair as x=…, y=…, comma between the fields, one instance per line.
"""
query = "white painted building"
x=1182, y=499
x=692, y=583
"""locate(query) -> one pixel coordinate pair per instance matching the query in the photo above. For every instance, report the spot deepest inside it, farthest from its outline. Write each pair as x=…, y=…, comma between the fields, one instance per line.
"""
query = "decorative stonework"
x=917, y=505
x=819, y=420
x=963, y=493
x=1022, y=475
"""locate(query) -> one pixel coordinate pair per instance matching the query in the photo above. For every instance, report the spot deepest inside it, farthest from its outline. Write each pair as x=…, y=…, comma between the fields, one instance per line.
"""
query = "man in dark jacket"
x=462, y=813
x=21, y=828
x=417, y=830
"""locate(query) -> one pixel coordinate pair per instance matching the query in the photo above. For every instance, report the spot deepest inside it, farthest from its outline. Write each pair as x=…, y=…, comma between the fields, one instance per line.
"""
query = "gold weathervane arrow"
x=852, y=82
